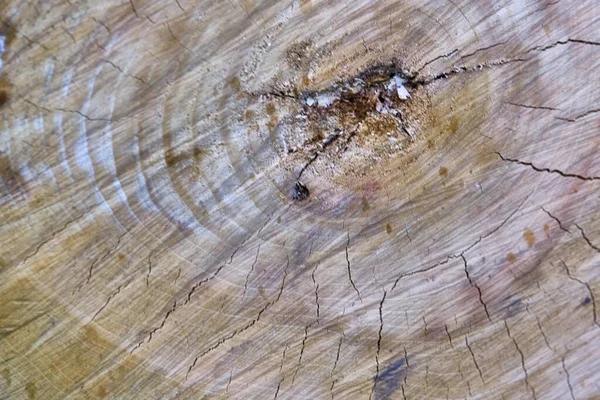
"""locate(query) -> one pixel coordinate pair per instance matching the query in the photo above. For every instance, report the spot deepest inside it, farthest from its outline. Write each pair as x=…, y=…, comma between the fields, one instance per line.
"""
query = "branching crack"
x=564, y=366
x=177, y=39
x=200, y=283
x=53, y=235
x=560, y=225
x=588, y=287
x=337, y=358
x=449, y=336
x=123, y=72
x=100, y=259
x=64, y=110
x=244, y=328
x=473, y=284
x=250, y=272
x=448, y=258
x=116, y=292
x=301, y=353
x=474, y=359
x=154, y=330
x=552, y=171
x=588, y=241
x=379, y=338
x=280, y=368
x=316, y=285
x=539, y=324
x=527, y=383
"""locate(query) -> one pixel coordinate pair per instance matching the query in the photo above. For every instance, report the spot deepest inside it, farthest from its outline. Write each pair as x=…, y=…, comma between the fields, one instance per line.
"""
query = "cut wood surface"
x=300, y=199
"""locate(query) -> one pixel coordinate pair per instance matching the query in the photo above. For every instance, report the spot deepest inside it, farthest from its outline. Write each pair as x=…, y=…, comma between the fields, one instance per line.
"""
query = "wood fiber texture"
x=177, y=222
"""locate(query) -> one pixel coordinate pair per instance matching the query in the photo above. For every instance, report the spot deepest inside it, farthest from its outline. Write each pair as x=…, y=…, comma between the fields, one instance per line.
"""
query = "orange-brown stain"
x=443, y=172
x=547, y=230
x=172, y=159
x=388, y=229
x=365, y=205
x=511, y=258
x=101, y=392
x=453, y=127
x=30, y=389
x=305, y=6
x=271, y=111
x=430, y=144
x=529, y=237
x=249, y=115
x=121, y=256
x=547, y=29
x=262, y=293
x=305, y=81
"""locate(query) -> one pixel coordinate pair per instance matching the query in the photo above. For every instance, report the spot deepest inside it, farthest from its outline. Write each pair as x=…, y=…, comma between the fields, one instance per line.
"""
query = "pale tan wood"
x=151, y=248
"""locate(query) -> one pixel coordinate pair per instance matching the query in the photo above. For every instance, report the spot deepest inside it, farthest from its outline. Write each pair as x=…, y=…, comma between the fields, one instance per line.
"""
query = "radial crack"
x=588, y=287
x=568, y=378
x=588, y=241
x=474, y=359
x=244, y=328
x=379, y=338
x=560, y=225
x=301, y=353
x=350, y=269
x=473, y=284
x=527, y=383
x=548, y=170
x=316, y=285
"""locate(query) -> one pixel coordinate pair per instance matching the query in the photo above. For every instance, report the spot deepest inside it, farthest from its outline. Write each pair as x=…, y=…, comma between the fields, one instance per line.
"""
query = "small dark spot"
x=279, y=219
x=270, y=108
x=3, y=97
x=250, y=115
x=430, y=144
x=529, y=237
x=30, y=389
x=586, y=301
x=388, y=229
x=6, y=376
x=101, y=392
x=453, y=125
x=173, y=159
x=300, y=191
x=121, y=256
x=365, y=205
x=197, y=152
x=514, y=308
x=511, y=258
x=443, y=172
x=235, y=84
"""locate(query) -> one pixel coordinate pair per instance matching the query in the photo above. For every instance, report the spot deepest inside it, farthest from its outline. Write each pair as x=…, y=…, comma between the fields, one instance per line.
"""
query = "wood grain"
x=152, y=247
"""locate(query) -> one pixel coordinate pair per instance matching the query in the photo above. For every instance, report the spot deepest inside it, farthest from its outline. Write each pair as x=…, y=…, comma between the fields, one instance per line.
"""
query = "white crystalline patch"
x=310, y=101
x=2, y=43
x=397, y=83
x=402, y=93
x=326, y=99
